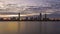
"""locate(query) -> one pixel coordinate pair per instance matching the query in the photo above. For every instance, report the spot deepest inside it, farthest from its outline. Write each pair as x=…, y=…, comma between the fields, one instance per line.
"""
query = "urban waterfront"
x=29, y=18
x=30, y=27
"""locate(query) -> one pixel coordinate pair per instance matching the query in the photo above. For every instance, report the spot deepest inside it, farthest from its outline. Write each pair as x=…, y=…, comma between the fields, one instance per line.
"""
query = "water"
x=30, y=27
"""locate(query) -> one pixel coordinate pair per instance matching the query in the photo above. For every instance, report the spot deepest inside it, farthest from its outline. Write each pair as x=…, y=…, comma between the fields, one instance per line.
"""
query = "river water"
x=29, y=27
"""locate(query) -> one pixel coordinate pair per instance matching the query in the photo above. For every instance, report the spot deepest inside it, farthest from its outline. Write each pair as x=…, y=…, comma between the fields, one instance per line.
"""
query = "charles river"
x=30, y=27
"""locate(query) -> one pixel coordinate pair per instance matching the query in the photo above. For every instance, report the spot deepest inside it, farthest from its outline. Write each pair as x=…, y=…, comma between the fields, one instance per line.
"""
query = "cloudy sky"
x=52, y=5
x=30, y=2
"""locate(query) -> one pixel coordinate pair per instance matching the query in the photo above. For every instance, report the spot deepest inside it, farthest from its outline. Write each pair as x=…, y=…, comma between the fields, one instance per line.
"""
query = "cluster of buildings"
x=37, y=18
x=10, y=18
x=40, y=18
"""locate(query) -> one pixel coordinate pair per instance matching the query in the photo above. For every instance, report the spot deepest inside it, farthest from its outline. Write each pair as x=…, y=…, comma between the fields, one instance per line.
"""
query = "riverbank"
x=29, y=20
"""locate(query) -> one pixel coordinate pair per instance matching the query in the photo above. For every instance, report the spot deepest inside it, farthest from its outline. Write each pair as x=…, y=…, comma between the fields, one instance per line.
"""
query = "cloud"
x=31, y=2
x=25, y=2
x=41, y=6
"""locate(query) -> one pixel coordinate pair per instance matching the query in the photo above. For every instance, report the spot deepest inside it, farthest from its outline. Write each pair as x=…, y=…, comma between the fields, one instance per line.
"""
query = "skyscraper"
x=19, y=16
x=45, y=16
x=40, y=16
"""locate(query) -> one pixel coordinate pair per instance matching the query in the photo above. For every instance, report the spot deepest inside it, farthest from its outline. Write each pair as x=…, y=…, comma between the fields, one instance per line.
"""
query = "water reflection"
x=29, y=27
x=25, y=27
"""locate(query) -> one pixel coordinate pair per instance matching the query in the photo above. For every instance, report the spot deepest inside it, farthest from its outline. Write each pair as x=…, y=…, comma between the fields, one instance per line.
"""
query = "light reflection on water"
x=30, y=27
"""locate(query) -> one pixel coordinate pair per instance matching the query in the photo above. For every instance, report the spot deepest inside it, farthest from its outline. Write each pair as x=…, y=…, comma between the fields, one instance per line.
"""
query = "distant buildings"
x=40, y=18
x=35, y=18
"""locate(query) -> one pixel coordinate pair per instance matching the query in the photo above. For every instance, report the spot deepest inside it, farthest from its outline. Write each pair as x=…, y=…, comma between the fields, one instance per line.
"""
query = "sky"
x=53, y=4
x=30, y=2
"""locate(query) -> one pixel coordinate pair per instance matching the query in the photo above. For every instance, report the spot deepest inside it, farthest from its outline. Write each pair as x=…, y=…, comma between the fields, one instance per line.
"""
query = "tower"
x=45, y=16
x=19, y=16
x=40, y=16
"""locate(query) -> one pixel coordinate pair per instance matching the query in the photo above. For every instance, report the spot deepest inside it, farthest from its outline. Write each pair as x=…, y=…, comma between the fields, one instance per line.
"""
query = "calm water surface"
x=30, y=27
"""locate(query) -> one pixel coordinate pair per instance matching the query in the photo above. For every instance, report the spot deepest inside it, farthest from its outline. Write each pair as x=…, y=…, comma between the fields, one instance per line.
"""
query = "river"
x=29, y=27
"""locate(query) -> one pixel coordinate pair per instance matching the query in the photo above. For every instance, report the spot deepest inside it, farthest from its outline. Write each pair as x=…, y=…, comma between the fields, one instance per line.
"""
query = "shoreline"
x=29, y=20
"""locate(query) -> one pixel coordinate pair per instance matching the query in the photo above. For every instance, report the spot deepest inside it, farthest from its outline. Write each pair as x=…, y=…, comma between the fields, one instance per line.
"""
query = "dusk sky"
x=53, y=6
x=30, y=2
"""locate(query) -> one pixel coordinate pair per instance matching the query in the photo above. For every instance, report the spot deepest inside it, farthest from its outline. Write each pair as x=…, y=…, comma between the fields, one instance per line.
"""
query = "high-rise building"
x=18, y=16
x=40, y=16
x=26, y=18
x=45, y=16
